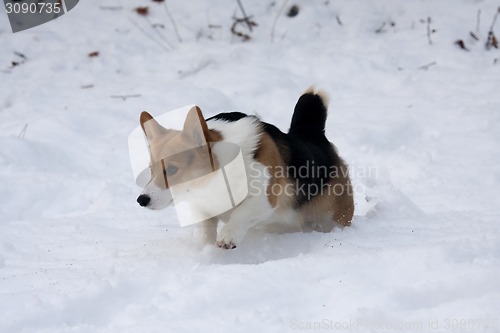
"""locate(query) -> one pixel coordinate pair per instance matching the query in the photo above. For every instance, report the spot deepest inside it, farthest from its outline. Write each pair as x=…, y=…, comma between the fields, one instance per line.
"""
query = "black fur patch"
x=228, y=116
x=308, y=161
x=306, y=151
x=309, y=116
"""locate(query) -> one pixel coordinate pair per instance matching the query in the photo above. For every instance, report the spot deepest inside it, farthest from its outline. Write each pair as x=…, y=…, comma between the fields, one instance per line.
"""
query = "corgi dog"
x=296, y=180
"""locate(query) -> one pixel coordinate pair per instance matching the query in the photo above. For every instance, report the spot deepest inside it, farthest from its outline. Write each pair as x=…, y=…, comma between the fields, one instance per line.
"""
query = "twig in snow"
x=276, y=19
x=22, y=134
x=19, y=62
x=494, y=19
x=144, y=12
x=20, y=55
x=173, y=22
x=426, y=67
x=338, y=20
x=473, y=35
x=237, y=21
x=246, y=18
x=110, y=7
x=159, y=34
x=461, y=44
x=492, y=40
x=195, y=70
x=381, y=28
x=478, y=20
x=149, y=35
x=124, y=97
x=429, y=30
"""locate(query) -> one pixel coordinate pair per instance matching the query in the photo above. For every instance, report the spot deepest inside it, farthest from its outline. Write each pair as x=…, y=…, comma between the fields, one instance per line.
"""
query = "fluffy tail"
x=310, y=113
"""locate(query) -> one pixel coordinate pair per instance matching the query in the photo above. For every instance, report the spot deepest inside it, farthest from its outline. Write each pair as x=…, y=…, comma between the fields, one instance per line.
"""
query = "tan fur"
x=169, y=147
x=145, y=116
x=214, y=136
x=269, y=155
x=335, y=205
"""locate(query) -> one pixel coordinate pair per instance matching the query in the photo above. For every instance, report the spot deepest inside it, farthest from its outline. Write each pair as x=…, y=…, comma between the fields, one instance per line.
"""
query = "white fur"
x=255, y=209
x=160, y=198
x=244, y=133
x=321, y=93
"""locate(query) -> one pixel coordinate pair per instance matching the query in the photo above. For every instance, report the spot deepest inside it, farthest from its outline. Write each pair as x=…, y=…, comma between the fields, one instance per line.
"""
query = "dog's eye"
x=171, y=170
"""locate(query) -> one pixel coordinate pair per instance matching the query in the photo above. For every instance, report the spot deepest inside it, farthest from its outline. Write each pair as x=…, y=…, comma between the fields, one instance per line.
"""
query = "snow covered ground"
x=418, y=123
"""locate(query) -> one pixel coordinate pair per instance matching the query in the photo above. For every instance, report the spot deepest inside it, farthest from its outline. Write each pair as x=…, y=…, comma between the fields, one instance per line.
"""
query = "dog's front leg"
x=208, y=230
x=252, y=211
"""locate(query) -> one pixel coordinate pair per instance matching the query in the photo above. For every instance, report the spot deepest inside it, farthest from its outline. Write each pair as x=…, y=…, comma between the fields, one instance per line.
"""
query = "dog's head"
x=177, y=156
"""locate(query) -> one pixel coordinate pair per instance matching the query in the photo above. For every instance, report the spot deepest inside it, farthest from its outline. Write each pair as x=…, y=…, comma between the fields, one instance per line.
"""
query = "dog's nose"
x=143, y=200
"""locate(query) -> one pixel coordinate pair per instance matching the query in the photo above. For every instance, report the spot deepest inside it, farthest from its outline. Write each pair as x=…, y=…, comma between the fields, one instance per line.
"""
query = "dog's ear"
x=151, y=127
x=195, y=127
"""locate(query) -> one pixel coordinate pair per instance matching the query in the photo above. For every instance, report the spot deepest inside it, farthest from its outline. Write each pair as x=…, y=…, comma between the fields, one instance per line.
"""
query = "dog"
x=296, y=179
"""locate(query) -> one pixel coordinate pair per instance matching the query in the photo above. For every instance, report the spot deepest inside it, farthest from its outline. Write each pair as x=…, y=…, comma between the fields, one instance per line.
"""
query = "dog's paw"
x=226, y=238
x=230, y=236
x=224, y=245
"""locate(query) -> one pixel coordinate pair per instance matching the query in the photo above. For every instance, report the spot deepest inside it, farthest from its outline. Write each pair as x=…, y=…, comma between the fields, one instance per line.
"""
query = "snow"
x=77, y=254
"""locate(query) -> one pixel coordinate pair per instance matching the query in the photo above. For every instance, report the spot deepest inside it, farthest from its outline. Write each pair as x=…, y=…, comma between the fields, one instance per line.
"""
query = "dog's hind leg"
x=343, y=206
x=334, y=208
